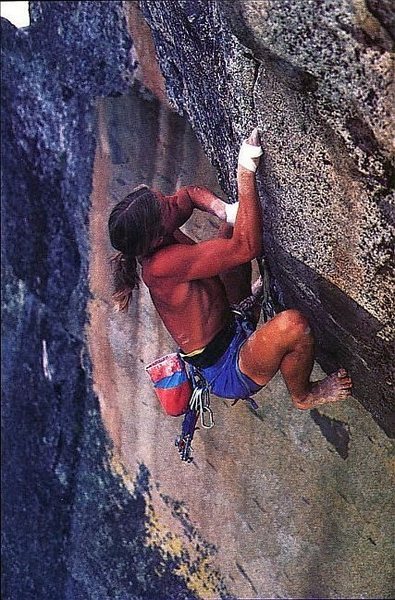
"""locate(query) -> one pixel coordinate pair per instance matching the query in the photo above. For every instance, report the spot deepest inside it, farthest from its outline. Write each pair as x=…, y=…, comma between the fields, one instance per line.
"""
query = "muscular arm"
x=206, y=259
x=248, y=226
x=178, y=208
x=205, y=200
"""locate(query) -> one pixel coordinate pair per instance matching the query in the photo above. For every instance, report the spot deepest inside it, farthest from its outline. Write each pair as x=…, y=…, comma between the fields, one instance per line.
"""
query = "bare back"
x=184, y=280
x=192, y=311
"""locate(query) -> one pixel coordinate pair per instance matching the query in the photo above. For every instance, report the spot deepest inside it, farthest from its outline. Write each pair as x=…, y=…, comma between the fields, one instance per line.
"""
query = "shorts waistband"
x=214, y=349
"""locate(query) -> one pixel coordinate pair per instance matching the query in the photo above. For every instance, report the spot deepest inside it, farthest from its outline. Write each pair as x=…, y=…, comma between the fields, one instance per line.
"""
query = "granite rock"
x=70, y=526
x=318, y=80
x=77, y=524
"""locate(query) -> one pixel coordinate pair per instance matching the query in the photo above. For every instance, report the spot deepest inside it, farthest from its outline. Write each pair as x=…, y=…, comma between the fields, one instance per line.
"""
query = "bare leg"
x=286, y=343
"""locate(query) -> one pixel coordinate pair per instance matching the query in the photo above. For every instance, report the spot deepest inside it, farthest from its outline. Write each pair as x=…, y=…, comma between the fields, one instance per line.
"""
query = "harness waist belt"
x=214, y=349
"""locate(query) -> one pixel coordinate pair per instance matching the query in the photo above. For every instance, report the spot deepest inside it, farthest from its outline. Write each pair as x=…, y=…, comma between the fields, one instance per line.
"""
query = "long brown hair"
x=134, y=224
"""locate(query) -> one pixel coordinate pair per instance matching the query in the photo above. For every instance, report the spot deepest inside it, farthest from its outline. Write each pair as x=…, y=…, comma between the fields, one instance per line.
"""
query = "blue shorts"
x=224, y=378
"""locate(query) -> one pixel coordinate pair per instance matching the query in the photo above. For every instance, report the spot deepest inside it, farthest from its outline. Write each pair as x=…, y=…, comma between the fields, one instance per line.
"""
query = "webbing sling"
x=199, y=405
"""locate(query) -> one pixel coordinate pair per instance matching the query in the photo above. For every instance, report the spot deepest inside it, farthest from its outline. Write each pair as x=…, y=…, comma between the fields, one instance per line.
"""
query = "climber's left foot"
x=334, y=388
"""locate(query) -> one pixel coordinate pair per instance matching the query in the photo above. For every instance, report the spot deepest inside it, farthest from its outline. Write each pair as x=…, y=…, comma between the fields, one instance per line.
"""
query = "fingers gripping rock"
x=254, y=138
x=251, y=149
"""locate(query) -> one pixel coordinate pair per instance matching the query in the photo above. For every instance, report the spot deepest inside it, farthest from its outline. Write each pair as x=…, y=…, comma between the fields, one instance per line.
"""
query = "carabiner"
x=210, y=423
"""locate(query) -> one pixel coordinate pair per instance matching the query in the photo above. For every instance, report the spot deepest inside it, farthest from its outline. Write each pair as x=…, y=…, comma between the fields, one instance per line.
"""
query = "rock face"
x=276, y=503
x=286, y=501
x=318, y=80
x=71, y=527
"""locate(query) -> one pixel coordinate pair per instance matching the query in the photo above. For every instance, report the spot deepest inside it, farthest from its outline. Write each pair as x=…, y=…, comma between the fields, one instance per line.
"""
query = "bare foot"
x=334, y=388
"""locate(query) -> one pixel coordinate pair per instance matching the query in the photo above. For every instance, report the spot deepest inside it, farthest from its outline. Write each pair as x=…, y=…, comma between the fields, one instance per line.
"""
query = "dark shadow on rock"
x=336, y=432
x=70, y=527
x=111, y=555
x=346, y=334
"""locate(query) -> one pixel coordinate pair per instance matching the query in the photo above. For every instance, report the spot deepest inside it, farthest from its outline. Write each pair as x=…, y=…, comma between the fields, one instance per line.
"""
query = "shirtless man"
x=193, y=284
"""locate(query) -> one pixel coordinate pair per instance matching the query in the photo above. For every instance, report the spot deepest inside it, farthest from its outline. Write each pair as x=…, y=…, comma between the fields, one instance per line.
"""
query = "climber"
x=192, y=286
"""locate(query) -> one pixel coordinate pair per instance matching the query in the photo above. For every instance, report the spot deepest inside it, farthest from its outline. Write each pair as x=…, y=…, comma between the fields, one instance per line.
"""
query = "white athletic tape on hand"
x=247, y=153
x=231, y=212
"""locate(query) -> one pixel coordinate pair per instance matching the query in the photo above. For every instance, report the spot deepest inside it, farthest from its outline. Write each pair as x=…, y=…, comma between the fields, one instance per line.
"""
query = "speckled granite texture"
x=276, y=503
x=71, y=528
x=296, y=503
x=318, y=79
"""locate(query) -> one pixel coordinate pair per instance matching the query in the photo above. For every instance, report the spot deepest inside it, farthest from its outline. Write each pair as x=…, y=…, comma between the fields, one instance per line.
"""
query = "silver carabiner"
x=200, y=402
x=210, y=423
x=204, y=406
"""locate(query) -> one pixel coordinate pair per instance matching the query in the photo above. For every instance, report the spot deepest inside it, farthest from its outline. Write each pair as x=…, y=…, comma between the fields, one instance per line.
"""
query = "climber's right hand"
x=251, y=151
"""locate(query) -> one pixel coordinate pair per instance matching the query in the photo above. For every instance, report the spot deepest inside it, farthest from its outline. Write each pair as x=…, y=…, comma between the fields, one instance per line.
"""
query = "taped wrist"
x=247, y=153
x=231, y=212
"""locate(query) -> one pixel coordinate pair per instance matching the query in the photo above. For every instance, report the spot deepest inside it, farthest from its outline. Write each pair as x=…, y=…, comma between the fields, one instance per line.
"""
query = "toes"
x=346, y=384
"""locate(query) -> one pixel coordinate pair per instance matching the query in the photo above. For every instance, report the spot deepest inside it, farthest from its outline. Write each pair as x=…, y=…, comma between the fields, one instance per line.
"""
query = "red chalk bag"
x=171, y=383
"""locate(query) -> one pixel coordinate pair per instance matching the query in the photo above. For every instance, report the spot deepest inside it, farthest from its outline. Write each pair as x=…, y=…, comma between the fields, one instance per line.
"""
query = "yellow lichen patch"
x=158, y=536
x=118, y=468
x=203, y=581
x=190, y=554
x=193, y=566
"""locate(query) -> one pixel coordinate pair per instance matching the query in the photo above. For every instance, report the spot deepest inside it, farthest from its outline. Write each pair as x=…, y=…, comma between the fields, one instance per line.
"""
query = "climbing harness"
x=199, y=405
x=197, y=409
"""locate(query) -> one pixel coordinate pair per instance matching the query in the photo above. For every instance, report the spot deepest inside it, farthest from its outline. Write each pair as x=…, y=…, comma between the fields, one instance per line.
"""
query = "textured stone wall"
x=318, y=79
x=72, y=526
x=280, y=503
x=277, y=503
